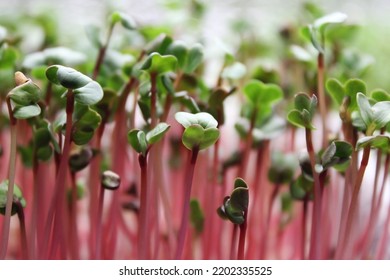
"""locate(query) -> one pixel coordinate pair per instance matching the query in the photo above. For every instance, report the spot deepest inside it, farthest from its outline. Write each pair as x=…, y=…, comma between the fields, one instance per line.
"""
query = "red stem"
x=57, y=213
x=241, y=241
x=11, y=182
x=189, y=174
x=169, y=99
x=321, y=96
x=248, y=146
x=354, y=201
x=211, y=240
x=153, y=100
x=73, y=232
x=99, y=213
x=383, y=244
x=143, y=233
x=375, y=205
x=23, y=235
x=102, y=52
x=304, y=220
x=233, y=242
x=265, y=240
x=315, y=241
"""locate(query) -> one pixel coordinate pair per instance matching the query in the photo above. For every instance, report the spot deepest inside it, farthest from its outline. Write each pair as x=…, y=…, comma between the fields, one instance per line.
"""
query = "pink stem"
x=186, y=203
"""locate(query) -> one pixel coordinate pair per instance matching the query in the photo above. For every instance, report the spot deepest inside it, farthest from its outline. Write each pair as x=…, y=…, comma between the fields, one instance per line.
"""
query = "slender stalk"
x=11, y=182
x=321, y=96
x=169, y=99
x=303, y=226
x=248, y=146
x=153, y=100
x=265, y=240
x=376, y=205
x=23, y=235
x=233, y=242
x=57, y=213
x=167, y=210
x=73, y=232
x=189, y=174
x=210, y=239
x=382, y=246
x=354, y=199
x=241, y=241
x=93, y=182
x=98, y=238
x=119, y=138
x=34, y=212
x=143, y=233
x=348, y=185
x=315, y=240
x=102, y=52
x=259, y=200
x=49, y=93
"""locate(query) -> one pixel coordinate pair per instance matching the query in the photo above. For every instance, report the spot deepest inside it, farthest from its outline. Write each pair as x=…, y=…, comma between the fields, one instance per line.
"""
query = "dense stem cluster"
x=135, y=156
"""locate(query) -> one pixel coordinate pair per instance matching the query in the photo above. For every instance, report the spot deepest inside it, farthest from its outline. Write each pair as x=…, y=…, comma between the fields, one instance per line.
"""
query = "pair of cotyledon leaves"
x=303, y=113
x=200, y=132
x=141, y=141
x=86, y=92
x=235, y=205
x=315, y=32
x=25, y=97
x=178, y=56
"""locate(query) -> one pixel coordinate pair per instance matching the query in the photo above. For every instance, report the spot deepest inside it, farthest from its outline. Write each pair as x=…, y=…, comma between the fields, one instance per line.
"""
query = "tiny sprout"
x=304, y=111
x=200, y=130
x=110, y=180
x=374, y=117
x=24, y=97
x=235, y=205
x=17, y=198
x=79, y=160
x=235, y=209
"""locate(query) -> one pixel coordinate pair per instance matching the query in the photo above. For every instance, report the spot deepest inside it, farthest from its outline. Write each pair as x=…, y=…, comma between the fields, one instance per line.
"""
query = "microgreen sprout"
x=124, y=148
